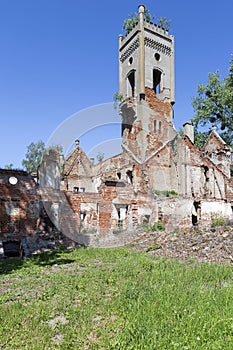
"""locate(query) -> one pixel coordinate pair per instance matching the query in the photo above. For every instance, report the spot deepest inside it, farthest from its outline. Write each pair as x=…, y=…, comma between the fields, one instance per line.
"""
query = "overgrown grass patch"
x=114, y=299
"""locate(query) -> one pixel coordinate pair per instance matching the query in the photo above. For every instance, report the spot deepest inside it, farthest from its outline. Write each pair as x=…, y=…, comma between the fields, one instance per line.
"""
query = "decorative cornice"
x=155, y=45
x=130, y=50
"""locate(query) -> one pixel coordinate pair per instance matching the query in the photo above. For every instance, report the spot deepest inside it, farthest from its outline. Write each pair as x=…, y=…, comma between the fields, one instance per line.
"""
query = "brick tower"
x=146, y=82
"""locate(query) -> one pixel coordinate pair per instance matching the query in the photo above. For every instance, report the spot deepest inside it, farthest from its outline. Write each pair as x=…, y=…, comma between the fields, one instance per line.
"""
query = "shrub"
x=144, y=226
x=117, y=98
x=217, y=219
x=158, y=226
x=166, y=193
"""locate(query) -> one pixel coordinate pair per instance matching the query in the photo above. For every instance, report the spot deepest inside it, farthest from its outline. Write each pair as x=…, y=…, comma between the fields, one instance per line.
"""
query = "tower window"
x=82, y=216
x=130, y=60
x=126, y=126
x=160, y=123
x=129, y=174
x=131, y=80
x=157, y=56
x=157, y=81
x=157, y=126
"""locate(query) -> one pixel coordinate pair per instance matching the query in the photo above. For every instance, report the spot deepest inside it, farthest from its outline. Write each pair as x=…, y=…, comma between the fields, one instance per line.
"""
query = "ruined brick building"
x=159, y=175
x=19, y=209
x=156, y=163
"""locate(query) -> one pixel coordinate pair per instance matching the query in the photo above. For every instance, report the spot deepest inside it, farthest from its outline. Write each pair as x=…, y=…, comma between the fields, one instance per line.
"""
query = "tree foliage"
x=133, y=20
x=33, y=156
x=9, y=166
x=164, y=23
x=214, y=106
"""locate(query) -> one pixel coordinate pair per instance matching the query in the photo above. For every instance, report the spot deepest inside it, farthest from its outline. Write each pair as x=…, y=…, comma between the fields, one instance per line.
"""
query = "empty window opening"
x=126, y=126
x=157, y=81
x=12, y=249
x=131, y=80
x=196, y=213
x=129, y=174
x=75, y=189
x=206, y=172
x=120, y=221
x=122, y=210
x=82, y=216
x=157, y=126
x=157, y=56
x=82, y=189
x=119, y=175
x=13, y=180
x=146, y=219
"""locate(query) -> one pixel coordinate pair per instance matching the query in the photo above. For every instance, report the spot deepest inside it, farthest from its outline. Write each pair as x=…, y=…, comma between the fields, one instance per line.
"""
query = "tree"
x=9, y=166
x=33, y=156
x=214, y=106
x=200, y=137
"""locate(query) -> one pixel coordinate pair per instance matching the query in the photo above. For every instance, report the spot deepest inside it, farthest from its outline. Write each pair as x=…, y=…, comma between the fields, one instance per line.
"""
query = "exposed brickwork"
x=158, y=176
x=19, y=207
x=163, y=108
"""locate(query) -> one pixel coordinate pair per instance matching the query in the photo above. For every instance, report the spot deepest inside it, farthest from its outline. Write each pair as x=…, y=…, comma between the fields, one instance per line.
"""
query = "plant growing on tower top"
x=132, y=21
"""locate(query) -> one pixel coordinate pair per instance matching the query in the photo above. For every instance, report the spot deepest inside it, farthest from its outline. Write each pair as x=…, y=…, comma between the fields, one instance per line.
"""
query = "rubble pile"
x=213, y=245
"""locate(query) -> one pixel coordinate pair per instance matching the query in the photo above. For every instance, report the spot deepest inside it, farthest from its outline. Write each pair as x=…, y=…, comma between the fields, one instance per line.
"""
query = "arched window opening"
x=157, y=126
x=157, y=81
x=131, y=80
x=129, y=174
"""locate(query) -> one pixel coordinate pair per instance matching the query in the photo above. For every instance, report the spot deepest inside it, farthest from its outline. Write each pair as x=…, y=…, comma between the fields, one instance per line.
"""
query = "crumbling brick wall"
x=19, y=204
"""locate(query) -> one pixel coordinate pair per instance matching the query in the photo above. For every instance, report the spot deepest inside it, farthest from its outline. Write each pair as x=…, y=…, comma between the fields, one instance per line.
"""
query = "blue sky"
x=61, y=56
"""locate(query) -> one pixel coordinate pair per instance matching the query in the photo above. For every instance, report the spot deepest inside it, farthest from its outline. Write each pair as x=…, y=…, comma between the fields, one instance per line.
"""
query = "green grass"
x=114, y=299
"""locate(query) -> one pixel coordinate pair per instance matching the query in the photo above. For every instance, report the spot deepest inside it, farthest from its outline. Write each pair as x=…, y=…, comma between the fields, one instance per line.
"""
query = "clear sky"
x=61, y=56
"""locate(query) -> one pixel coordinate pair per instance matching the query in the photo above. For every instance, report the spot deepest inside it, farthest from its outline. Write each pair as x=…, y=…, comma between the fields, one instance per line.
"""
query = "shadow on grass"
x=55, y=257
x=50, y=258
x=10, y=265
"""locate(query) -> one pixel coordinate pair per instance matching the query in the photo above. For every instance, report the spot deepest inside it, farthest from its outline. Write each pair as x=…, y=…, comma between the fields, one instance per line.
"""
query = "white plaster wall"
x=210, y=208
x=88, y=206
x=161, y=179
x=219, y=185
x=177, y=213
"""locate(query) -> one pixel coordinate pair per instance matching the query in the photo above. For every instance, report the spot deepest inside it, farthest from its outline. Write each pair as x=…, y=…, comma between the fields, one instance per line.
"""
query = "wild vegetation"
x=114, y=299
x=133, y=20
